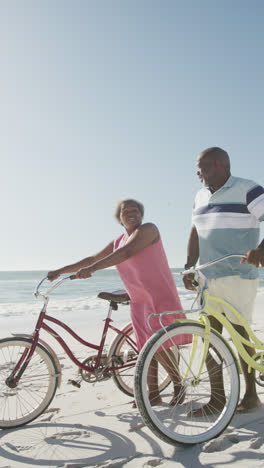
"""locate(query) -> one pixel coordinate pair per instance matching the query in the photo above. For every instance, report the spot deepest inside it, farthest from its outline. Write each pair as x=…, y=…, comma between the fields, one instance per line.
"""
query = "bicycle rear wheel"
x=123, y=351
x=36, y=387
x=176, y=423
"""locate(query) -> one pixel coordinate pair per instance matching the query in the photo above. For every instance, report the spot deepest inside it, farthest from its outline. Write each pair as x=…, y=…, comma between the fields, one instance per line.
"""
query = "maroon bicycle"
x=30, y=370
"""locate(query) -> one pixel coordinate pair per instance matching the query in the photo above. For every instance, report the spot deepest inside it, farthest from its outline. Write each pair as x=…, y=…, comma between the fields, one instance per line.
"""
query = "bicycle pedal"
x=74, y=383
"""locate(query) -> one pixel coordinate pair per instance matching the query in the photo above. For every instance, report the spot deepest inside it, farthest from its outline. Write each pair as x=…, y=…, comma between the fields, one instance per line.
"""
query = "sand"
x=96, y=426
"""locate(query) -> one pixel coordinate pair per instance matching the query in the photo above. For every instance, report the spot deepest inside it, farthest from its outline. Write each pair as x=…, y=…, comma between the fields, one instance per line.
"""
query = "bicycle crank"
x=99, y=373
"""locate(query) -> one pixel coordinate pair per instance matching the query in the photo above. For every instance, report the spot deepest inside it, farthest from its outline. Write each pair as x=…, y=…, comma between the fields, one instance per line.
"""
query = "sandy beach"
x=131, y=142
x=96, y=426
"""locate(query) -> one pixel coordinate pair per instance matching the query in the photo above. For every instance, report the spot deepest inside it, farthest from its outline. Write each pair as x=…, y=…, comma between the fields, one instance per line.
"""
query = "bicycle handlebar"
x=183, y=273
x=54, y=286
x=208, y=264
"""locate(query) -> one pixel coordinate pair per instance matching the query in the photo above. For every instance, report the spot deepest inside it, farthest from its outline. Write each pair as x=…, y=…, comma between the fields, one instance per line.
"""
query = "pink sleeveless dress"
x=151, y=288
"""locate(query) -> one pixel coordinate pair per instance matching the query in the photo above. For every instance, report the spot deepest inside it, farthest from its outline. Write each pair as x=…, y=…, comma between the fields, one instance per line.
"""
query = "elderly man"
x=226, y=216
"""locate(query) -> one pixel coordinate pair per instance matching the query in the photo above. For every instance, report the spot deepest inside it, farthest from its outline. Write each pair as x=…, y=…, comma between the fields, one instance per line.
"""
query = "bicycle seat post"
x=112, y=306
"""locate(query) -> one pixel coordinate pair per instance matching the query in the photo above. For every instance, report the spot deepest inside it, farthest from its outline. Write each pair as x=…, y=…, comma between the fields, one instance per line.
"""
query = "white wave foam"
x=81, y=305
x=56, y=306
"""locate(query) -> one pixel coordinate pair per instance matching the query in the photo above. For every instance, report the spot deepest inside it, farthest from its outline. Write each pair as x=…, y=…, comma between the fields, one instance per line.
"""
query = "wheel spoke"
x=198, y=404
x=35, y=389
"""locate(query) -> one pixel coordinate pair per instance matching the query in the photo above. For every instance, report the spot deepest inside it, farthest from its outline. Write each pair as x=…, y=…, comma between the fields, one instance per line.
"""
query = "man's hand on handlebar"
x=254, y=257
x=189, y=282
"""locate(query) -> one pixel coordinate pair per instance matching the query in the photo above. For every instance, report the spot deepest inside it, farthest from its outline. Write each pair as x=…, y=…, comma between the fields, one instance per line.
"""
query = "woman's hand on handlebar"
x=53, y=275
x=84, y=273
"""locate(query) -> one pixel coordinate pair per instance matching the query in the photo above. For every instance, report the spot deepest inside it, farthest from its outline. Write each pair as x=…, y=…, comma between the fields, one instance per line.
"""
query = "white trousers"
x=239, y=292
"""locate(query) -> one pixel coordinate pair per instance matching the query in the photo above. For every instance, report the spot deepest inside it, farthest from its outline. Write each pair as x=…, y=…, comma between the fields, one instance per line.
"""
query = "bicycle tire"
x=124, y=378
x=36, y=388
x=259, y=377
x=176, y=424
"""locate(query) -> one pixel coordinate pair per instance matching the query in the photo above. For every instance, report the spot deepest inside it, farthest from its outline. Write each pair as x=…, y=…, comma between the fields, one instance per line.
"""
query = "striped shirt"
x=228, y=222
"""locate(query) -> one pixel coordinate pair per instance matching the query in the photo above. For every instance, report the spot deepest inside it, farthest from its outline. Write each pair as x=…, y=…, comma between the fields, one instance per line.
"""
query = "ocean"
x=74, y=301
x=17, y=288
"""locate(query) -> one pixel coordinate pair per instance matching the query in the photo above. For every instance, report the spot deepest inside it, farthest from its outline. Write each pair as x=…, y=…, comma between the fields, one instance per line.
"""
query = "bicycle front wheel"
x=259, y=376
x=175, y=420
x=36, y=387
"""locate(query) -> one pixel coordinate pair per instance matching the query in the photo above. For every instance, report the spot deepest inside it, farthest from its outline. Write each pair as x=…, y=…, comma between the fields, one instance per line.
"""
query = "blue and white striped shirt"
x=227, y=222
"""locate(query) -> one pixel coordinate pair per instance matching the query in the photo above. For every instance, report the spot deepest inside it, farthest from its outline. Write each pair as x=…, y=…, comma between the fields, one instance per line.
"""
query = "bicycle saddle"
x=116, y=296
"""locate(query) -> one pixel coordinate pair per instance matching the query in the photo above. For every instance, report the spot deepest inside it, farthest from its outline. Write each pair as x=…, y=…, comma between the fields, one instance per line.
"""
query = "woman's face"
x=130, y=216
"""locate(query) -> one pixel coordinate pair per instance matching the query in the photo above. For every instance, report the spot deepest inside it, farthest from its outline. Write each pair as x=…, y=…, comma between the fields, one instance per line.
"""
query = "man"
x=226, y=216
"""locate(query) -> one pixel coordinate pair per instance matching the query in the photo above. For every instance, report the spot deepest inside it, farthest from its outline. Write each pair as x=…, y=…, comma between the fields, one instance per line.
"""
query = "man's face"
x=207, y=171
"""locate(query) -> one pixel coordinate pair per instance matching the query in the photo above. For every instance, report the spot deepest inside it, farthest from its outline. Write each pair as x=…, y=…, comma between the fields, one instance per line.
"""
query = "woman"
x=140, y=259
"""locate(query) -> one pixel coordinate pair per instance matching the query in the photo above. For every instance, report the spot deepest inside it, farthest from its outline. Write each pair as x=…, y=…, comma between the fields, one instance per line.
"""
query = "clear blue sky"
x=103, y=99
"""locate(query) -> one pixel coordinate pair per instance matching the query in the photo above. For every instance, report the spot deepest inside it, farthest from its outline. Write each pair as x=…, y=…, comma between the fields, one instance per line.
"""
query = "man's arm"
x=255, y=204
x=192, y=257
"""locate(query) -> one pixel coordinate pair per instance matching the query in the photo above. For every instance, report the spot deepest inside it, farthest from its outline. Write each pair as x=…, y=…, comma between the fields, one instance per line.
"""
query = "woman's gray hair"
x=127, y=200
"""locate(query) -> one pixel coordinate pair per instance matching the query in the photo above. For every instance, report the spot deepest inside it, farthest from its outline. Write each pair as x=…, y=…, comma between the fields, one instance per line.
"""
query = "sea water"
x=74, y=302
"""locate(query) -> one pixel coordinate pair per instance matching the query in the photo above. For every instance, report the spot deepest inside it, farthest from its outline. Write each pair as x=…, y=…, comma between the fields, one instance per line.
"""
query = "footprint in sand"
x=18, y=448
x=156, y=462
x=66, y=435
x=222, y=443
x=256, y=443
x=136, y=427
x=49, y=414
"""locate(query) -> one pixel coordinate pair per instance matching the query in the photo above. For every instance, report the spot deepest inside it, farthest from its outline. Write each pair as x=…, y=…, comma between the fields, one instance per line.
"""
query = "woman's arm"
x=52, y=275
x=147, y=234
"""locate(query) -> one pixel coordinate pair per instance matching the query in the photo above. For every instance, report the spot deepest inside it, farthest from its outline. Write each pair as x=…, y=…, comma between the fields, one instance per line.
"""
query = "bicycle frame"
x=41, y=325
x=207, y=309
x=99, y=348
x=237, y=339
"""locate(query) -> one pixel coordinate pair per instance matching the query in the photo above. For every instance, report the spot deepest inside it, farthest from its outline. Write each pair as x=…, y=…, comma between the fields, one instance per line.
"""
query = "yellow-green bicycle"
x=207, y=351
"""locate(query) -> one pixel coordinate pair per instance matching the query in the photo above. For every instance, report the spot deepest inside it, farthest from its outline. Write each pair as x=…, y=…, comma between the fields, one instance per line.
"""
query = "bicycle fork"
x=13, y=379
x=205, y=321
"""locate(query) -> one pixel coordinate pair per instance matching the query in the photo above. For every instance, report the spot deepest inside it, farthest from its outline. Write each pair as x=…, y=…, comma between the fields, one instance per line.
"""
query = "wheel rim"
x=259, y=377
x=176, y=423
x=35, y=389
x=124, y=378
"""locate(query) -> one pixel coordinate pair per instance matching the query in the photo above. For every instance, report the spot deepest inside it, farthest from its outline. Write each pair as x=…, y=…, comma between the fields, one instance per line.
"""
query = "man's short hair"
x=217, y=154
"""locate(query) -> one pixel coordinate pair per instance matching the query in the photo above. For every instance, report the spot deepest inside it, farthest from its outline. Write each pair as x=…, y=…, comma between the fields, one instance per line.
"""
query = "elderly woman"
x=140, y=259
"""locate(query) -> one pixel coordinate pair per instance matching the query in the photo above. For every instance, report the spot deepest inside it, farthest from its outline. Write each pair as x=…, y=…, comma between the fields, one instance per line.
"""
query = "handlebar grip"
x=73, y=277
